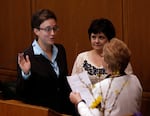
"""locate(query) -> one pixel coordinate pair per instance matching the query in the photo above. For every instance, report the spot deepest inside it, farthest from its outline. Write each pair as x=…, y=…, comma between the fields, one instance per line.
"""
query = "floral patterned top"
x=123, y=105
x=96, y=74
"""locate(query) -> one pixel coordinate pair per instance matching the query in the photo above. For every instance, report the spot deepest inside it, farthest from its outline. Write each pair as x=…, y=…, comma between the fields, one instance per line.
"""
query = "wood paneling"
x=136, y=34
x=74, y=18
x=130, y=17
x=146, y=104
x=15, y=32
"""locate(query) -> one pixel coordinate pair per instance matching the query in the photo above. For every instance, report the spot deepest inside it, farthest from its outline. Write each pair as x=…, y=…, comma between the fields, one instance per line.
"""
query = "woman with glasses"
x=42, y=68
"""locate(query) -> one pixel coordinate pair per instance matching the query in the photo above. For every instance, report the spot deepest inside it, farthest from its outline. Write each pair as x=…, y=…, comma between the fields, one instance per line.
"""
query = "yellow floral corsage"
x=96, y=102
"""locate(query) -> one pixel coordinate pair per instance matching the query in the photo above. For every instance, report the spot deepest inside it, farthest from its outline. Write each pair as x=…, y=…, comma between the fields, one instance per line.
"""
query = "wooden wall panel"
x=130, y=17
x=137, y=35
x=74, y=18
x=15, y=33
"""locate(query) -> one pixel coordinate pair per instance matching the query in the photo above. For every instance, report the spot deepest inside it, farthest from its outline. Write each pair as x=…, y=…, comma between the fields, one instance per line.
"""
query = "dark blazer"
x=43, y=87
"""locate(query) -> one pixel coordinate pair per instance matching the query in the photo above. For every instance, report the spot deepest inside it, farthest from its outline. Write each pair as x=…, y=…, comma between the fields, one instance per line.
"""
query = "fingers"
x=75, y=97
x=20, y=57
x=24, y=63
x=27, y=58
x=20, y=54
x=72, y=94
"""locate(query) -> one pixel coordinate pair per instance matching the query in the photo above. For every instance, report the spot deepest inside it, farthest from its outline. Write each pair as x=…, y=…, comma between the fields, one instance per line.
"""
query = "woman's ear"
x=36, y=31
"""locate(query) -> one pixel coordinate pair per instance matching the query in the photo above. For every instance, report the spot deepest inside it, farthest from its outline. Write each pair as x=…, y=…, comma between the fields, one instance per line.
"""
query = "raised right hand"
x=24, y=63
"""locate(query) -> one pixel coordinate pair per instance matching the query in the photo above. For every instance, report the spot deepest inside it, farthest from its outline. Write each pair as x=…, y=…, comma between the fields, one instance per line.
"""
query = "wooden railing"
x=18, y=108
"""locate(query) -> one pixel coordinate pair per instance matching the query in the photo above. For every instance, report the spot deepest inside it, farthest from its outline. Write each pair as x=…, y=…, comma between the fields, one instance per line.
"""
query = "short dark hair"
x=40, y=16
x=102, y=25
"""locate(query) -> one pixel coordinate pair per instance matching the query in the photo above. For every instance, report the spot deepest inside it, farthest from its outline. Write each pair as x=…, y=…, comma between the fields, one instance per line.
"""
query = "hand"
x=75, y=97
x=24, y=63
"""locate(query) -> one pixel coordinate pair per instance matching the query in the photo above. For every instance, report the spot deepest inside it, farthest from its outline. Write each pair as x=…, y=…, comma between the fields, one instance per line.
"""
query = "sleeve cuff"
x=25, y=76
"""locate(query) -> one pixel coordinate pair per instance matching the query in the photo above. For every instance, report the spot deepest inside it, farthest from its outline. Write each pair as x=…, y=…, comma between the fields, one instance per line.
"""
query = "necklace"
x=97, y=100
x=102, y=109
x=88, y=86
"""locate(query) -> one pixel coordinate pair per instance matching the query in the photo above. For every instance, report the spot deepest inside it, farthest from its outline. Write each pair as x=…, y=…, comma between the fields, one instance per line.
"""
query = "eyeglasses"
x=49, y=28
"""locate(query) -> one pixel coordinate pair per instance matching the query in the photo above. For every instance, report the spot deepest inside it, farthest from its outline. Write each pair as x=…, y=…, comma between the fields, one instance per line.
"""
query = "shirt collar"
x=37, y=50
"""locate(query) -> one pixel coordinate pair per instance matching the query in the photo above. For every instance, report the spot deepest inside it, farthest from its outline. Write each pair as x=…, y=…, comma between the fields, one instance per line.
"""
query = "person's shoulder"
x=133, y=79
x=29, y=50
x=132, y=76
x=81, y=54
x=105, y=82
x=58, y=45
